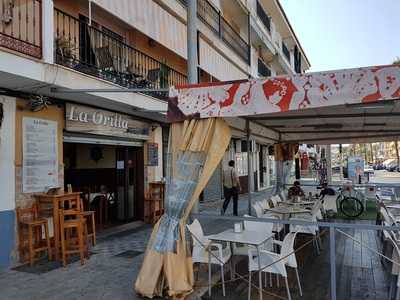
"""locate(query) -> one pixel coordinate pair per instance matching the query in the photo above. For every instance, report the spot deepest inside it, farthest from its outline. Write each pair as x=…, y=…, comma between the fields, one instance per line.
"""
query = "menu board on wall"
x=152, y=154
x=40, y=155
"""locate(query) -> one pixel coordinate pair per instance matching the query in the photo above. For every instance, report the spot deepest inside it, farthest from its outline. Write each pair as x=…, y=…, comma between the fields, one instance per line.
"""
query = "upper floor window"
x=297, y=60
x=285, y=51
x=263, y=16
x=263, y=69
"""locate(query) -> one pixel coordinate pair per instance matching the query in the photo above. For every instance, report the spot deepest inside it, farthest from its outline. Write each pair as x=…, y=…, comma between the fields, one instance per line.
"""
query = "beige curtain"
x=173, y=272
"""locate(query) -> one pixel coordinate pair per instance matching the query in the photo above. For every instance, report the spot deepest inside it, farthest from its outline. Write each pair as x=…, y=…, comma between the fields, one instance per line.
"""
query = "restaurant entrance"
x=110, y=177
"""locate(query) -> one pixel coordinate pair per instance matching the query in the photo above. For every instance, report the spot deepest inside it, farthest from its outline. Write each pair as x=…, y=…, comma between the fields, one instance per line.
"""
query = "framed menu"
x=40, y=155
x=152, y=154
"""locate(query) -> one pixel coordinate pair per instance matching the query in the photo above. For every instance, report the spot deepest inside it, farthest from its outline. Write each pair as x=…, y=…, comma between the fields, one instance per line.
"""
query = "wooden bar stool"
x=27, y=218
x=89, y=215
x=154, y=202
x=72, y=220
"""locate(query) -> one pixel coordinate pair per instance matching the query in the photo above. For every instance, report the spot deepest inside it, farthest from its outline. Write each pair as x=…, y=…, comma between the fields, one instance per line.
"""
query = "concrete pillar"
x=48, y=31
x=7, y=183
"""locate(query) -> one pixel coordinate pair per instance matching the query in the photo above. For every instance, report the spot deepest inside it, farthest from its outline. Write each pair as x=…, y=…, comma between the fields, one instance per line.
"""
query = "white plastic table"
x=288, y=210
x=247, y=237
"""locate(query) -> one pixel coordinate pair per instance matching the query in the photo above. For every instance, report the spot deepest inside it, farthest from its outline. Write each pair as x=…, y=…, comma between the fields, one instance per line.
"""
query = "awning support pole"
x=249, y=167
x=328, y=154
x=332, y=232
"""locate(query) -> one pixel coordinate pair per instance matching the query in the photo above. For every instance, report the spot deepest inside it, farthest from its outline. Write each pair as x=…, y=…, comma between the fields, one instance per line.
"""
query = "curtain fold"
x=196, y=147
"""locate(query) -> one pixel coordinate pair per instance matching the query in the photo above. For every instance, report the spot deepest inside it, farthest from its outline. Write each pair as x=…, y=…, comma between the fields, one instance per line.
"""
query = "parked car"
x=393, y=168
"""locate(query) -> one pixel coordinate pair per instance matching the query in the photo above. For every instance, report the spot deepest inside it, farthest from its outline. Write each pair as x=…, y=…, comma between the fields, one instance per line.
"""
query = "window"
x=263, y=70
x=263, y=17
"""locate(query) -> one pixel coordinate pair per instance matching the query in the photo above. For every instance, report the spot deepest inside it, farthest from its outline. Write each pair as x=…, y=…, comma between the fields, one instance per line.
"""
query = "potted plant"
x=64, y=51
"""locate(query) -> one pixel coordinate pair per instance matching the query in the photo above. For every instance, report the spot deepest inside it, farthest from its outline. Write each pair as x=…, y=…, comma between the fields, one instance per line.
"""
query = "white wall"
x=151, y=19
x=7, y=154
x=216, y=64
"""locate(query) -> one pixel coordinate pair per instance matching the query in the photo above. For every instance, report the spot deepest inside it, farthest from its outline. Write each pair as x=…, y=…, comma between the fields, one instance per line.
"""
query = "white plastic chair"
x=395, y=271
x=283, y=195
x=275, y=262
x=330, y=203
x=309, y=229
x=276, y=200
x=264, y=204
x=219, y=256
x=259, y=211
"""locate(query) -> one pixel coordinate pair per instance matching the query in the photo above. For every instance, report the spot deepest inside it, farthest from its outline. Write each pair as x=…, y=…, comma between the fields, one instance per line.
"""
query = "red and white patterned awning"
x=346, y=106
x=284, y=93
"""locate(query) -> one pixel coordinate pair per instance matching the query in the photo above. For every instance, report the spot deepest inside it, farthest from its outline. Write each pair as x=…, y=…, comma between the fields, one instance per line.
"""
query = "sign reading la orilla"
x=91, y=120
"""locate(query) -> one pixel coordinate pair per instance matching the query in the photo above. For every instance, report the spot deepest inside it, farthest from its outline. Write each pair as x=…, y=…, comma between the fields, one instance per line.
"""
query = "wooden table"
x=54, y=203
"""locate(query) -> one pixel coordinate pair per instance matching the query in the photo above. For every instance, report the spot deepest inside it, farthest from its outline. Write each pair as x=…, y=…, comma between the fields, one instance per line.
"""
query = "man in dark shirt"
x=295, y=190
x=325, y=190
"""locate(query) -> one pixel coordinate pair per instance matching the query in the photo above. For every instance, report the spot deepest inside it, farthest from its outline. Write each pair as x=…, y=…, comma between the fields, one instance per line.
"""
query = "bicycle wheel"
x=351, y=207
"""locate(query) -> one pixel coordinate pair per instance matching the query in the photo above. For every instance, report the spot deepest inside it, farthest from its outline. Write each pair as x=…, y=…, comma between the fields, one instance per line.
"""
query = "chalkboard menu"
x=40, y=155
x=152, y=154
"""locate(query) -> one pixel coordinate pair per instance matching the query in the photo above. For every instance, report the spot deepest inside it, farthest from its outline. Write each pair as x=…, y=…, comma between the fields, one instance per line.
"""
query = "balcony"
x=263, y=17
x=213, y=19
x=101, y=53
x=21, y=26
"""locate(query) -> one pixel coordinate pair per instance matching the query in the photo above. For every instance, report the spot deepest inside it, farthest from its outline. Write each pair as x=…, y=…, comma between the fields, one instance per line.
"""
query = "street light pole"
x=192, y=58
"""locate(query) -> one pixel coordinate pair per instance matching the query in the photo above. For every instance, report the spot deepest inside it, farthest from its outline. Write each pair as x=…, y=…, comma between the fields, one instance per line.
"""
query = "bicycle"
x=350, y=206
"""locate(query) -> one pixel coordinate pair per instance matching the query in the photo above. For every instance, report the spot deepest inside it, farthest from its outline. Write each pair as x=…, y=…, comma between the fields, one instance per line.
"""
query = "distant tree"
x=397, y=61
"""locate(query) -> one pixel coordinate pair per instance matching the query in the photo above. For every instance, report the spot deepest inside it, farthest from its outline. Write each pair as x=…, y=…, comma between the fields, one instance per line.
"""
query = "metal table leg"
x=259, y=274
x=209, y=272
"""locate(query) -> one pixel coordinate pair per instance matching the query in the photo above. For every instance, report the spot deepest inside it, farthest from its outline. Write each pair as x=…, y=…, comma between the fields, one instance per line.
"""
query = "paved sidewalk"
x=108, y=274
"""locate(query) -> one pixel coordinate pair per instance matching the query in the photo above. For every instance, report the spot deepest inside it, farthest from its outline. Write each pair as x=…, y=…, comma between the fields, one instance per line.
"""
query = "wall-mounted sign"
x=152, y=154
x=86, y=119
x=40, y=155
x=355, y=166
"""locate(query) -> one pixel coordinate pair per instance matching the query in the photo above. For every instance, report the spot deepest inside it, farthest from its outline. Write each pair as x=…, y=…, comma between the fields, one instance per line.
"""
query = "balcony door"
x=94, y=37
x=130, y=183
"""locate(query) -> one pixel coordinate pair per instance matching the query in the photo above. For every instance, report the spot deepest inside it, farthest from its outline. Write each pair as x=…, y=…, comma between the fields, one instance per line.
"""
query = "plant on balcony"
x=65, y=52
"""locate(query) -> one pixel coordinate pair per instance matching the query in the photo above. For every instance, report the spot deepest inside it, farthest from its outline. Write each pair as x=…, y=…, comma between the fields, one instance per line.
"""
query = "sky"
x=339, y=34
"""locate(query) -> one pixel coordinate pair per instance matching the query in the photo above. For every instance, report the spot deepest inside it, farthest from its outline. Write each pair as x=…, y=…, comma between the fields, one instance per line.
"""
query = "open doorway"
x=111, y=179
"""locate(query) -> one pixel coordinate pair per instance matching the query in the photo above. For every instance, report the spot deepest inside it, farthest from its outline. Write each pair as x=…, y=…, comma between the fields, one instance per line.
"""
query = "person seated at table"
x=326, y=190
x=295, y=190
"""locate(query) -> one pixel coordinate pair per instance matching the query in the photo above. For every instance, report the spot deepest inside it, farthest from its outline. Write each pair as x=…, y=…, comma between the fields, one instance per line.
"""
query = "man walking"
x=231, y=188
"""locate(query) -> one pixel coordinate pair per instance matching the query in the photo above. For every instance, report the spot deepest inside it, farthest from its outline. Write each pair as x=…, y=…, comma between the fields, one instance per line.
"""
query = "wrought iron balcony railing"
x=263, y=17
x=21, y=26
x=99, y=52
x=213, y=19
